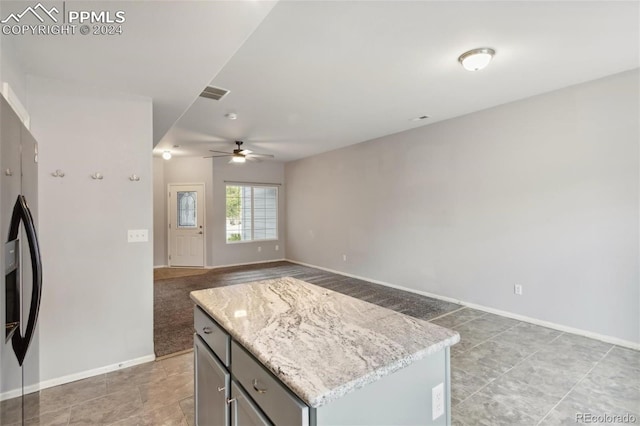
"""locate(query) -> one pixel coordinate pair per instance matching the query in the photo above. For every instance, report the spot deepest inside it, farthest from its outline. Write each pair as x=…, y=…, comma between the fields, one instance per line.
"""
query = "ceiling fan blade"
x=246, y=151
x=216, y=156
x=253, y=159
x=221, y=152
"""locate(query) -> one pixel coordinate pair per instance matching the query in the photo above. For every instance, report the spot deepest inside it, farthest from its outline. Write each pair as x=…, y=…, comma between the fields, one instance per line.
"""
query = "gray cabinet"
x=211, y=387
x=234, y=389
x=243, y=411
x=282, y=407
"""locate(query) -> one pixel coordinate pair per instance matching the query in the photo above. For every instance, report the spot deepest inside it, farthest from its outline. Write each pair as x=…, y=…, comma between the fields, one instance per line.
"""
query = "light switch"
x=138, y=235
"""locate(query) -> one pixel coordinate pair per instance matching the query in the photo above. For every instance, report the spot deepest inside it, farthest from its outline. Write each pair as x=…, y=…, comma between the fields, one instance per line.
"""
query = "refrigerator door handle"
x=21, y=213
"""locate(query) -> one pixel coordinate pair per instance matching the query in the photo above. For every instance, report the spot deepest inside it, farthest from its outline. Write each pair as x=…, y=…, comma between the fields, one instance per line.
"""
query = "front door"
x=186, y=225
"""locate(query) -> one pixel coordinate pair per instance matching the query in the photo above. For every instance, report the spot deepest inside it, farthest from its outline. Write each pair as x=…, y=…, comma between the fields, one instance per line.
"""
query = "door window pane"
x=187, y=216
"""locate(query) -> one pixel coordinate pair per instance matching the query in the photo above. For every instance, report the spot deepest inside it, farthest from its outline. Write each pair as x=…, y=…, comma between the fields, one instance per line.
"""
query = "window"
x=252, y=213
x=187, y=209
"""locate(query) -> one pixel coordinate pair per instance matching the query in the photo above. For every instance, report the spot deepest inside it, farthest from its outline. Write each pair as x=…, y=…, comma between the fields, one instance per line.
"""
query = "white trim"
x=249, y=263
x=386, y=284
x=77, y=376
x=229, y=265
x=253, y=240
x=270, y=240
x=18, y=107
x=560, y=327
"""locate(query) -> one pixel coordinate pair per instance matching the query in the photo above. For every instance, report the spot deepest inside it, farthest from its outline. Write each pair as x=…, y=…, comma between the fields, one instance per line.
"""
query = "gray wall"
x=11, y=69
x=213, y=173
x=97, y=303
x=541, y=192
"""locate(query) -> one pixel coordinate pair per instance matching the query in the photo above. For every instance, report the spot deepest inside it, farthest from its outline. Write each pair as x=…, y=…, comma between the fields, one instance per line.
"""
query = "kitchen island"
x=287, y=352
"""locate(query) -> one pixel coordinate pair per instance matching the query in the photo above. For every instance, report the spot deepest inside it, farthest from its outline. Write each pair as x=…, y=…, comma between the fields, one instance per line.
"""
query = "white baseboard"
x=76, y=376
x=225, y=266
x=560, y=327
x=11, y=394
x=245, y=264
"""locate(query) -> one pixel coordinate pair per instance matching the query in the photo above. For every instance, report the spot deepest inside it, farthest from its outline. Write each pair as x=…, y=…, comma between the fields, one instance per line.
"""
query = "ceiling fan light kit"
x=476, y=59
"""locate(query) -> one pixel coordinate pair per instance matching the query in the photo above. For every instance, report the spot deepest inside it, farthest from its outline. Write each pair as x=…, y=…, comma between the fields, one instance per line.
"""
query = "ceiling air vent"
x=214, y=93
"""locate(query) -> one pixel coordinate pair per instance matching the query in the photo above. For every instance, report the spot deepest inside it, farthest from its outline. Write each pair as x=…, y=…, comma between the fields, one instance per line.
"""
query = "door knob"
x=200, y=232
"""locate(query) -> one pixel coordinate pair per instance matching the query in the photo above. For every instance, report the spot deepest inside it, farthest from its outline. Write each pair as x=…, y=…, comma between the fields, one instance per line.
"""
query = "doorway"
x=186, y=225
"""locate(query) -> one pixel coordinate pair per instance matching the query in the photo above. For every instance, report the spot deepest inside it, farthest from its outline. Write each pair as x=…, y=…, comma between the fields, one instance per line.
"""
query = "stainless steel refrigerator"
x=21, y=281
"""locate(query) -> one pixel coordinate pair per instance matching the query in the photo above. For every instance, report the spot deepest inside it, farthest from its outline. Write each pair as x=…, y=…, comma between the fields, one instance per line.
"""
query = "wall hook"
x=97, y=176
x=134, y=178
x=58, y=173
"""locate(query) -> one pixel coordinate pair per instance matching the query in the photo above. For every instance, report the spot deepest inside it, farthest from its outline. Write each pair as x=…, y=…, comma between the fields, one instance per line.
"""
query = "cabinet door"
x=244, y=411
x=212, y=387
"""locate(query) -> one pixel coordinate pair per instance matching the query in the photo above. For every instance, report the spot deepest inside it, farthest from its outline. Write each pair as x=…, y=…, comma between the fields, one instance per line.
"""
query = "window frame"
x=253, y=186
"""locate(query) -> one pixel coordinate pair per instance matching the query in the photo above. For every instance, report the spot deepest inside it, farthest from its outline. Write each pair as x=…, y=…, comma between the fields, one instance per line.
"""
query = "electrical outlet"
x=517, y=289
x=344, y=257
x=437, y=401
x=259, y=249
x=137, y=235
x=277, y=247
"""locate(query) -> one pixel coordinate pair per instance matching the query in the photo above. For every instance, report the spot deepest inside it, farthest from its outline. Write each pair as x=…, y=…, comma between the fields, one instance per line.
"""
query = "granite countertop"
x=320, y=343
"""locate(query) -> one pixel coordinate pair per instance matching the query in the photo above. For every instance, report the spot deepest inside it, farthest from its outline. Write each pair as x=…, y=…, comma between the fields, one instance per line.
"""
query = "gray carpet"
x=173, y=309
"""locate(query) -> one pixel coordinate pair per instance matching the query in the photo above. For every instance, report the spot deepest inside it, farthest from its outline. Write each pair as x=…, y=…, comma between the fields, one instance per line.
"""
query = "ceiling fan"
x=240, y=155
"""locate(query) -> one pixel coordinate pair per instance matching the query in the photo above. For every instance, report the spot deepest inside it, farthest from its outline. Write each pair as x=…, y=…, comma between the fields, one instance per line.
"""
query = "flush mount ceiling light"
x=166, y=155
x=476, y=59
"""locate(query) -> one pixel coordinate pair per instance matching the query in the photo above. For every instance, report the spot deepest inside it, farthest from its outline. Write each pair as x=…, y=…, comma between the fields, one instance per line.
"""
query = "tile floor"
x=504, y=372
x=507, y=372
x=155, y=393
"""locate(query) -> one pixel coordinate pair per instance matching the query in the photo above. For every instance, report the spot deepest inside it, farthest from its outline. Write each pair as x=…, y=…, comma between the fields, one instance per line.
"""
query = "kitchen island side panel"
x=401, y=398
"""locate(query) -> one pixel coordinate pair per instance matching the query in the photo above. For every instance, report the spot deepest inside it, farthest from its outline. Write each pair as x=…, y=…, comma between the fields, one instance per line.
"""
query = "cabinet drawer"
x=278, y=403
x=217, y=339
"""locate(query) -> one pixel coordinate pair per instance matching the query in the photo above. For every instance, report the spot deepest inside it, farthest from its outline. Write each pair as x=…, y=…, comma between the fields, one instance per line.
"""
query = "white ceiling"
x=311, y=76
x=169, y=50
x=316, y=76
